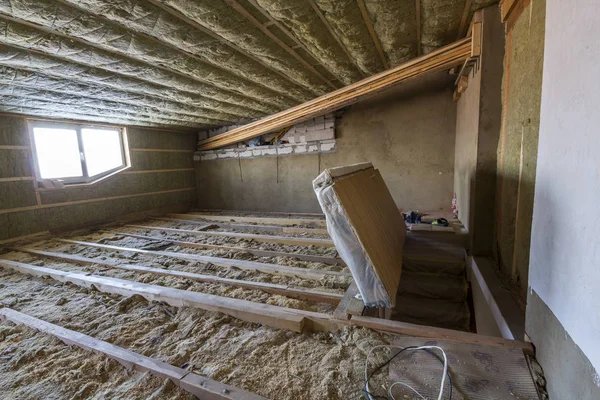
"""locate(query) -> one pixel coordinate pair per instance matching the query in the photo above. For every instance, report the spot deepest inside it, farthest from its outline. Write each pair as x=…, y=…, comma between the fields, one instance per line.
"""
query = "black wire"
x=390, y=360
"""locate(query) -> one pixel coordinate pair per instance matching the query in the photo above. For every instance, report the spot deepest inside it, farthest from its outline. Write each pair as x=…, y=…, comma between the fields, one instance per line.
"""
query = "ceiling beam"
x=444, y=58
x=238, y=7
x=352, y=59
x=463, y=20
x=374, y=37
x=418, y=21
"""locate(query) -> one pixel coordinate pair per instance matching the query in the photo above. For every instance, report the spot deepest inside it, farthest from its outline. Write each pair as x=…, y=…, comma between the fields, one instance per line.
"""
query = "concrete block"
x=328, y=145
x=269, y=151
x=285, y=150
x=300, y=149
x=313, y=148
x=208, y=156
x=247, y=153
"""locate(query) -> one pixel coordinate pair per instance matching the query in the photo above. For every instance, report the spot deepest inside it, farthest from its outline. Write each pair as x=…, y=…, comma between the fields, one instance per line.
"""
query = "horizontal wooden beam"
x=218, y=211
x=156, y=171
x=266, y=314
x=278, y=317
x=444, y=58
x=256, y=252
x=190, y=382
x=17, y=178
x=265, y=228
x=292, y=241
x=162, y=150
x=283, y=290
x=223, y=262
x=404, y=328
x=258, y=220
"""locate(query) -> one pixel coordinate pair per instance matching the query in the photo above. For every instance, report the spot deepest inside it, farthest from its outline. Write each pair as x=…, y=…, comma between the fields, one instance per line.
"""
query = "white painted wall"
x=565, y=244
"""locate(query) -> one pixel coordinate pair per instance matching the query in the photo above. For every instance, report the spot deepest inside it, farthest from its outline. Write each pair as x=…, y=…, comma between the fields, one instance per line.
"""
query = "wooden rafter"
x=374, y=37
x=463, y=19
x=418, y=22
x=180, y=16
x=444, y=58
x=337, y=38
x=265, y=29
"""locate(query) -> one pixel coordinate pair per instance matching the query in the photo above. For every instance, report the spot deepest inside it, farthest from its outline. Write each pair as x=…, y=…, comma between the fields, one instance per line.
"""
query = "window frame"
x=84, y=180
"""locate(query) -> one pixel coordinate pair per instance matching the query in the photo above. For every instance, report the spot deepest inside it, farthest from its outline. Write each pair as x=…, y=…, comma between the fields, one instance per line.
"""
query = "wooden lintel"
x=441, y=59
x=188, y=381
x=283, y=290
x=291, y=241
x=256, y=252
x=223, y=262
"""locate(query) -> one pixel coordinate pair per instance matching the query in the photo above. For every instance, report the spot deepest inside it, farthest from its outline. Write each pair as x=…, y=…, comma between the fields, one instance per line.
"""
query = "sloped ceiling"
x=202, y=63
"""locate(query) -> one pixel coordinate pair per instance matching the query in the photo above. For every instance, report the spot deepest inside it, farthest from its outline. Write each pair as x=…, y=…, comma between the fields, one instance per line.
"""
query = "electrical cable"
x=444, y=362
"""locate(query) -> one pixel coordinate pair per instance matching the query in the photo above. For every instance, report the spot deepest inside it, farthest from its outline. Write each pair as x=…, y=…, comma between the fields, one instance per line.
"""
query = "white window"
x=77, y=154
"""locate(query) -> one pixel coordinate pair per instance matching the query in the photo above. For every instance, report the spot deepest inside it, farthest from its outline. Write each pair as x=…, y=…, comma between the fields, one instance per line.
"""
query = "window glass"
x=102, y=149
x=57, y=153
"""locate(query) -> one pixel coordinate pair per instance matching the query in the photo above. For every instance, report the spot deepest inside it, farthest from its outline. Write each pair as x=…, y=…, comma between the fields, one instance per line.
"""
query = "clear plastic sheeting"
x=347, y=243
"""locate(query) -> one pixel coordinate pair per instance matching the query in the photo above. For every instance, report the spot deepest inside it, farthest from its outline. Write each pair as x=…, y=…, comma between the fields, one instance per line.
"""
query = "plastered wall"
x=159, y=179
x=407, y=133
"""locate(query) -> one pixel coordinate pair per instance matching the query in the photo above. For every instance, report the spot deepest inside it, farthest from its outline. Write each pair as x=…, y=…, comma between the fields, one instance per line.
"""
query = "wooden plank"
x=250, y=213
x=463, y=19
x=283, y=290
x=404, y=328
x=17, y=178
x=292, y=241
x=372, y=33
x=506, y=7
x=438, y=60
x=156, y=171
x=224, y=262
x=162, y=150
x=86, y=201
x=259, y=220
x=256, y=252
x=418, y=23
x=349, y=305
x=266, y=228
x=277, y=317
x=190, y=382
x=14, y=147
x=37, y=235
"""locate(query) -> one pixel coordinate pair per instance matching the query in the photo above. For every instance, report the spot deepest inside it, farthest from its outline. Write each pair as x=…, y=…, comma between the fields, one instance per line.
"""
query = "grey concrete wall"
x=407, y=133
x=478, y=124
x=22, y=214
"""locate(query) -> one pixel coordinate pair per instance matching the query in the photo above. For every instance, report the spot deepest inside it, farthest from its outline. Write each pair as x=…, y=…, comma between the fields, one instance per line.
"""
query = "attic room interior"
x=293, y=200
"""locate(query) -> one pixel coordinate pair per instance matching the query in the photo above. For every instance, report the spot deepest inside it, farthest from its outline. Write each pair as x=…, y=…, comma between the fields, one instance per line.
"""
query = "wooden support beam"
x=372, y=33
x=266, y=228
x=335, y=36
x=266, y=314
x=444, y=58
x=283, y=290
x=404, y=328
x=251, y=213
x=349, y=305
x=278, y=317
x=292, y=241
x=506, y=7
x=258, y=220
x=190, y=382
x=240, y=9
x=223, y=262
x=256, y=252
x=418, y=22
x=463, y=20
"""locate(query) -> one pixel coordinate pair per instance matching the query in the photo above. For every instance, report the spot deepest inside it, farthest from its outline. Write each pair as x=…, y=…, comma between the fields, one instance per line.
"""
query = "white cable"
x=404, y=384
x=444, y=372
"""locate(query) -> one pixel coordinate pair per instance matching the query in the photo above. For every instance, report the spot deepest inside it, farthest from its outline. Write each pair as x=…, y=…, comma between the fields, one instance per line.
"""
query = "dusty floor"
x=293, y=366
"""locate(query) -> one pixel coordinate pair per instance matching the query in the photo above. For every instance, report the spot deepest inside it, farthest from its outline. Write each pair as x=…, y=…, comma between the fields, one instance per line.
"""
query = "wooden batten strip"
x=14, y=147
x=266, y=228
x=283, y=290
x=190, y=382
x=224, y=262
x=155, y=171
x=292, y=241
x=443, y=58
x=258, y=220
x=256, y=252
x=16, y=179
x=250, y=213
x=162, y=150
x=77, y=202
x=278, y=317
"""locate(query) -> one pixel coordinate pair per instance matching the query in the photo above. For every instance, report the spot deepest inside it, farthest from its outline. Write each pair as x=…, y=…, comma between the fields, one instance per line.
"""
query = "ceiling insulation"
x=192, y=63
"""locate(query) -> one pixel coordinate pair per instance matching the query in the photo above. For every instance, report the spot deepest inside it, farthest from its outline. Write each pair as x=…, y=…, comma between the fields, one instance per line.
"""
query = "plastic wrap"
x=346, y=240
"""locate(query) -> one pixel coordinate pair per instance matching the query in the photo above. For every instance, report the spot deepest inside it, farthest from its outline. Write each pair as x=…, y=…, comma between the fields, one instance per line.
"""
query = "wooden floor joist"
x=256, y=252
x=292, y=241
x=251, y=213
x=266, y=314
x=190, y=382
x=283, y=290
x=349, y=305
x=446, y=57
x=278, y=317
x=224, y=262
x=183, y=218
x=258, y=220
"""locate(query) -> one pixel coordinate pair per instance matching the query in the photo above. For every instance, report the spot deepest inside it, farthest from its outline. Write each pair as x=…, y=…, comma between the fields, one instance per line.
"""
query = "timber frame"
x=349, y=311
